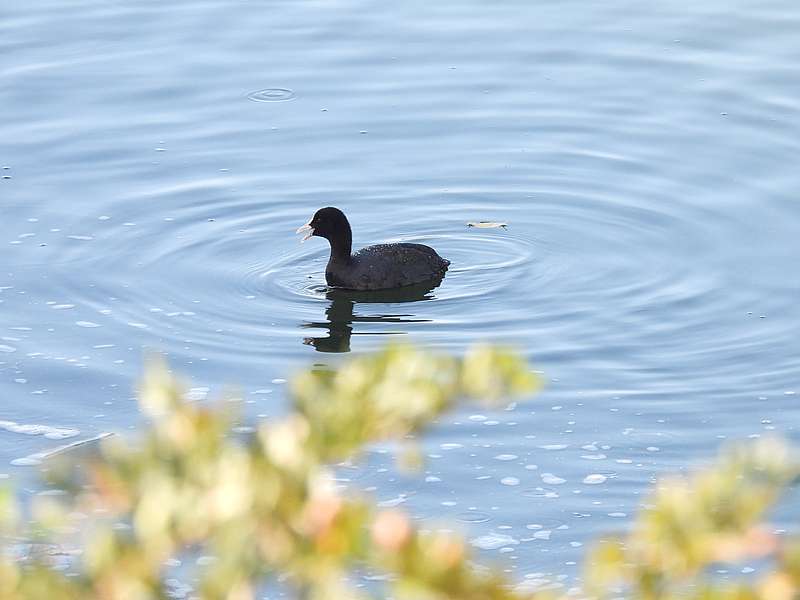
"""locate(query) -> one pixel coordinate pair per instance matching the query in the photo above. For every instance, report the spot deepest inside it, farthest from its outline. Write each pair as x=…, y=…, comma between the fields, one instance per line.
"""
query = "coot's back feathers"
x=378, y=267
x=386, y=266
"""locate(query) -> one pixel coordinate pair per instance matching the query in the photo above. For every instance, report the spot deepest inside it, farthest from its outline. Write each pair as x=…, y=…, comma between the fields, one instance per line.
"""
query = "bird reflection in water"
x=341, y=314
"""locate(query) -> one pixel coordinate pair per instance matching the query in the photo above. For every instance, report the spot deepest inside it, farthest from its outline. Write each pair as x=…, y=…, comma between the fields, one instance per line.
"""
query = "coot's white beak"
x=307, y=229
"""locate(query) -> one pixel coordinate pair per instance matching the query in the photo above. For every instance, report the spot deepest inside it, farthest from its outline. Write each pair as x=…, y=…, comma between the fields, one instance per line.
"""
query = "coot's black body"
x=378, y=267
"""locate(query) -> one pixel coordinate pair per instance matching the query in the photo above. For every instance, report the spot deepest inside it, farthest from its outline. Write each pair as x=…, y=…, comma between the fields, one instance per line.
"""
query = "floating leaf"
x=487, y=224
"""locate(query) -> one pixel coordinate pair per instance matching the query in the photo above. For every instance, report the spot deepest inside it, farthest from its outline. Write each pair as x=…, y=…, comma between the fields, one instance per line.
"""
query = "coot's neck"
x=341, y=244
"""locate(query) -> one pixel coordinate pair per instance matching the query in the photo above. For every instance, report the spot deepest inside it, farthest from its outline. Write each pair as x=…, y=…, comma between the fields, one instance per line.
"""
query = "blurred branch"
x=267, y=509
x=268, y=506
x=692, y=524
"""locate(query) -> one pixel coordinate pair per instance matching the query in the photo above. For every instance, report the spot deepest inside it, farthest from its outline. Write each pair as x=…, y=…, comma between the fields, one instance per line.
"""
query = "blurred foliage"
x=692, y=527
x=266, y=508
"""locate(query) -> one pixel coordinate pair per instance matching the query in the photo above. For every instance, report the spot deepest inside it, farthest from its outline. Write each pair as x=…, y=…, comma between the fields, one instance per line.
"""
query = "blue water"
x=157, y=158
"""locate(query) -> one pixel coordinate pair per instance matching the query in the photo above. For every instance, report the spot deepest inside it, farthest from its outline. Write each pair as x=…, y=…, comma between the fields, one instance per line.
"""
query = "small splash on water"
x=272, y=95
x=197, y=394
x=473, y=516
x=451, y=446
x=392, y=502
x=51, y=433
x=26, y=461
x=540, y=492
x=506, y=457
x=493, y=541
x=37, y=458
x=551, y=479
x=87, y=324
x=595, y=479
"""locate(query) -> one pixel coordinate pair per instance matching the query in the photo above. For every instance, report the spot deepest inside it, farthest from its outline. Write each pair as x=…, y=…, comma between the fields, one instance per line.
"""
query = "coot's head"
x=329, y=223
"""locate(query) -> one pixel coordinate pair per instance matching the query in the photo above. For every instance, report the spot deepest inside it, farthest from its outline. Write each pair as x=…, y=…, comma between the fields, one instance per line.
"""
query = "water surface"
x=157, y=158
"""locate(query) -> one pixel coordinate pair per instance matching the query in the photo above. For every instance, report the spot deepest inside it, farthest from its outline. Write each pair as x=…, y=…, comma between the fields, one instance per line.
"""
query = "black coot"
x=378, y=267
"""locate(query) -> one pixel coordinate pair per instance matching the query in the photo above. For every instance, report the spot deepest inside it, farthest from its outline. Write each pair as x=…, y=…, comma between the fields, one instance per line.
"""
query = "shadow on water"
x=341, y=314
